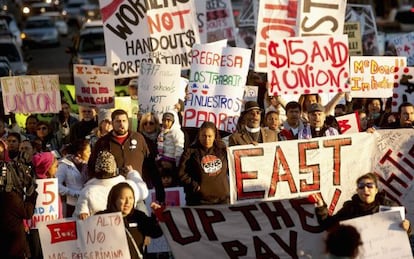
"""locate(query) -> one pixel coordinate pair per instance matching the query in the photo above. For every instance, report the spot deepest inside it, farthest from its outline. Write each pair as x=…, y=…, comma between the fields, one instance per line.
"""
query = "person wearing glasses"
x=366, y=201
x=44, y=134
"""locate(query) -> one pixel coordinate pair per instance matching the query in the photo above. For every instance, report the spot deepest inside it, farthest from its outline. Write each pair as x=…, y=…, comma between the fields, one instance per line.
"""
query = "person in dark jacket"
x=137, y=224
x=203, y=169
x=367, y=201
x=15, y=205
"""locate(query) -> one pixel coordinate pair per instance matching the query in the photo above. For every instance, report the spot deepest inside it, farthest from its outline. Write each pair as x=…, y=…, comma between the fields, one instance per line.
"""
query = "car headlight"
x=26, y=10
x=23, y=36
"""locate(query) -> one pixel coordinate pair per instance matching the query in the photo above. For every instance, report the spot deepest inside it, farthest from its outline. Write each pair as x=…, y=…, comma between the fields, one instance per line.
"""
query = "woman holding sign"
x=138, y=225
x=367, y=201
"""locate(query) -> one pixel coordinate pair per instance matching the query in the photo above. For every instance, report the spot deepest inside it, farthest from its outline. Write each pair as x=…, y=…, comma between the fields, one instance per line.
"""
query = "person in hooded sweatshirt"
x=170, y=145
x=45, y=165
x=16, y=204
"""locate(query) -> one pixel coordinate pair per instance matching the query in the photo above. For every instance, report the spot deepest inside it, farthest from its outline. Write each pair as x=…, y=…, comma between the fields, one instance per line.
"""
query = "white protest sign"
x=174, y=196
x=47, y=202
x=278, y=17
x=217, y=81
x=31, y=94
x=382, y=236
x=296, y=168
x=98, y=236
x=403, y=87
x=159, y=88
x=220, y=20
x=202, y=20
x=251, y=93
x=404, y=45
x=278, y=229
x=352, y=29
x=373, y=77
x=95, y=86
x=349, y=123
x=400, y=209
x=324, y=17
x=161, y=33
x=305, y=65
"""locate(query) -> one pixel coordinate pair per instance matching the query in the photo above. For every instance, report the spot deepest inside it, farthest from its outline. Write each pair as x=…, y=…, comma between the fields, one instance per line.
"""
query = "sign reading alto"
x=373, y=77
x=31, y=94
x=95, y=86
x=160, y=32
x=305, y=65
x=217, y=82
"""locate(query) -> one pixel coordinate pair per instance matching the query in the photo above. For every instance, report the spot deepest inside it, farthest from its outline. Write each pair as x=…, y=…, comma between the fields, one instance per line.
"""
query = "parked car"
x=60, y=23
x=13, y=52
x=5, y=67
x=40, y=30
x=38, y=8
x=13, y=27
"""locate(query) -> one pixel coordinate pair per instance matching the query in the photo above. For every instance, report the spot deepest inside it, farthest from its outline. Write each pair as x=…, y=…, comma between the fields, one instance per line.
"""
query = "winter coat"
x=242, y=137
x=207, y=170
x=70, y=180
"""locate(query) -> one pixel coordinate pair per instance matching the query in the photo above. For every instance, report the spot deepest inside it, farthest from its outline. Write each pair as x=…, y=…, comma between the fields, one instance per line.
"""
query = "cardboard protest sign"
x=217, y=81
x=324, y=17
x=404, y=45
x=161, y=33
x=278, y=229
x=220, y=20
x=47, y=202
x=373, y=77
x=95, y=86
x=174, y=196
x=353, y=30
x=305, y=65
x=159, y=88
x=365, y=16
x=98, y=236
x=31, y=94
x=278, y=17
x=349, y=123
x=403, y=87
x=383, y=237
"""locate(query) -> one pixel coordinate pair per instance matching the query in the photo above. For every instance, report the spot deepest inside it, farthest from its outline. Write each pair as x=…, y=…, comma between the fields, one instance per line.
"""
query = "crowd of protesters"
x=102, y=159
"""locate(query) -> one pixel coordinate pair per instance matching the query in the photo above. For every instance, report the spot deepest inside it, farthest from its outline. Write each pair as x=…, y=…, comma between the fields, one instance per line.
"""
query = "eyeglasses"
x=363, y=185
x=149, y=123
x=86, y=111
x=42, y=128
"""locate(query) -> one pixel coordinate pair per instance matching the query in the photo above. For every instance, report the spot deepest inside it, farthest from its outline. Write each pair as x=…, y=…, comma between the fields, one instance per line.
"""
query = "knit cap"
x=105, y=166
x=42, y=163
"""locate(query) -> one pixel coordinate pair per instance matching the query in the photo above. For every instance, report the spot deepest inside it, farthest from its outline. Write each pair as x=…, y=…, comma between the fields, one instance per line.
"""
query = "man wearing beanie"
x=94, y=195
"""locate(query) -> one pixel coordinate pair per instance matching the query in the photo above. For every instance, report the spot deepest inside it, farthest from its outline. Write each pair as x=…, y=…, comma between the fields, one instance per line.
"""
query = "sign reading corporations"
x=304, y=65
x=147, y=31
x=31, y=94
x=217, y=82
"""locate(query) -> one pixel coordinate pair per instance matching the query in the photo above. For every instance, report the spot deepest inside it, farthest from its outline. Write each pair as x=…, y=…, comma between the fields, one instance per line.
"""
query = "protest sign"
x=403, y=87
x=365, y=16
x=220, y=20
x=383, y=237
x=159, y=88
x=47, y=202
x=349, y=123
x=404, y=45
x=31, y=94
x=292, y=169
x=95, y=86
x=278, y=229
x=148, y=31
x=323, y=17
x=251, y=93
x=248, y=14
x=174, y=196
x=202, y=20
x=217, y=81
x=98, y=236
x=373, y=77
x=305, y=65
x=353, y=30
x=278, y=17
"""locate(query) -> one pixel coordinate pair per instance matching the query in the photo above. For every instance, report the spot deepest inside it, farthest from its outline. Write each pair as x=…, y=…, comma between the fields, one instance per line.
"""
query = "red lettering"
x=306, y=169
x=276, y=177
x=337, y=144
